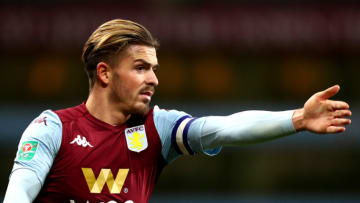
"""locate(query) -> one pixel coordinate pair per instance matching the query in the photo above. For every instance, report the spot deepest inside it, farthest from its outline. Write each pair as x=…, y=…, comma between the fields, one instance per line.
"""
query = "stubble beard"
x=138, y=108
x=142, y=110
x=142, y=107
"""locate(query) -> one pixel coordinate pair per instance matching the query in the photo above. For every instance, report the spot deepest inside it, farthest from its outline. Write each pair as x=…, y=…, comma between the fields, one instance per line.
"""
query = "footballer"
x=113, y=146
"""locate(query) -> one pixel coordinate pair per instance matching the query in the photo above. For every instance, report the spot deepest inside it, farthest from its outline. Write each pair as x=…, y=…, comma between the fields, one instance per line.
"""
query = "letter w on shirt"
x=96, y=185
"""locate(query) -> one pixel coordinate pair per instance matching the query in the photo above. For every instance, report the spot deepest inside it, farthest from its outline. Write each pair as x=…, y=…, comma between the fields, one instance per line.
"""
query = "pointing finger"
x=331, y=91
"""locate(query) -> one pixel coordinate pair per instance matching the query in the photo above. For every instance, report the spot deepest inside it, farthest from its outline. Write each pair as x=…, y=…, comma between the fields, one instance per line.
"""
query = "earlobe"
x=103, y=73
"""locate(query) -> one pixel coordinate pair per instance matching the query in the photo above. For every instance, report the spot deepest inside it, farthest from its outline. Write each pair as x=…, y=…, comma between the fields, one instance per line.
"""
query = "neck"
x=102, y=109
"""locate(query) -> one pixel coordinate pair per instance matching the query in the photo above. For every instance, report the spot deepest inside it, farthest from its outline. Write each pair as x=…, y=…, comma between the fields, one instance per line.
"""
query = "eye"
x=140, y=68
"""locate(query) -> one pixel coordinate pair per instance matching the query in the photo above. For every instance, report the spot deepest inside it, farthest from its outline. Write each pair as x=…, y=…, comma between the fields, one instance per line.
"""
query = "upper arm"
x=39, y=145
x=180, y=133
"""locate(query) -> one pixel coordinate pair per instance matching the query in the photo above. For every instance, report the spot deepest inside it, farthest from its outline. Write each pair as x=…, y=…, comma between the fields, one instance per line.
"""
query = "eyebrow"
x=147, y=63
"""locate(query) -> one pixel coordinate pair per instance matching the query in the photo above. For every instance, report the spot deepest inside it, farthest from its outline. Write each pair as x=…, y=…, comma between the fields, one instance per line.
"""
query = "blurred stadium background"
x=217, y=57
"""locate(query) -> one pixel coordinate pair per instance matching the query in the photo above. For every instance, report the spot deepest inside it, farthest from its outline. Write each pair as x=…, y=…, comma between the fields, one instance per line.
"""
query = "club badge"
x=136, y=138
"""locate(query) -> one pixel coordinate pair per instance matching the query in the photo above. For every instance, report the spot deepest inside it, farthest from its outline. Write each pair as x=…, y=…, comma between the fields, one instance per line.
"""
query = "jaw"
x=140, y=108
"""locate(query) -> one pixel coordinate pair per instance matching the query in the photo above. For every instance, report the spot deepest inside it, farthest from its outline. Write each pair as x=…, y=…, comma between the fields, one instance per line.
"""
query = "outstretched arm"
x=187, y=134
x=321, y=115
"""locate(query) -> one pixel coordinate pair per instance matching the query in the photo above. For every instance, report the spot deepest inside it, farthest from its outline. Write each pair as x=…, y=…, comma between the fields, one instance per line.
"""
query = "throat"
x=107, y=113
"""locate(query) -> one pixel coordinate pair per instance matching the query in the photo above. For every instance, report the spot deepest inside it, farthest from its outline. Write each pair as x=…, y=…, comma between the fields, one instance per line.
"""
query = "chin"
x=141, y=109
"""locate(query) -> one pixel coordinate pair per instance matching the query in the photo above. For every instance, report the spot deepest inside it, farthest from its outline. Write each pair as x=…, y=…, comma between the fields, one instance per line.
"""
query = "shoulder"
x=167, y=123
x=162, y=116
x=71, y=113
x=44, y=132
x=48, y=120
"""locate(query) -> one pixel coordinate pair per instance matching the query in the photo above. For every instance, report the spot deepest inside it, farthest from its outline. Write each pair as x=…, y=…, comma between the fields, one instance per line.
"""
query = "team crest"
x=136, y=138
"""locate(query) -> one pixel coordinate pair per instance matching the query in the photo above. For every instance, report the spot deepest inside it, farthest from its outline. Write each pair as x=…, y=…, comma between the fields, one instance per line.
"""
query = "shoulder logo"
x=136, y=138
x=41, y=120
x=81, y=141
x=27, y=150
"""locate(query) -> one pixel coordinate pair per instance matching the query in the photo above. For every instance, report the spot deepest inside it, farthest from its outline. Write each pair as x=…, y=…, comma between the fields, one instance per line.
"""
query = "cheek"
x=128, y=87
x=119, y=89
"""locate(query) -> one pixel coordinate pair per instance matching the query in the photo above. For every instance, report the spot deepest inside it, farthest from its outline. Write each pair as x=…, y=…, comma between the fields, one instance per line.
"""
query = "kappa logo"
x=41, y=120
x=81, y=141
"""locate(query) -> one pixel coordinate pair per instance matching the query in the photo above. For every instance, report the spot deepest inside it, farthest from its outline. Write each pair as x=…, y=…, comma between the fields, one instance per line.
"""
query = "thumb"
x=331, y=91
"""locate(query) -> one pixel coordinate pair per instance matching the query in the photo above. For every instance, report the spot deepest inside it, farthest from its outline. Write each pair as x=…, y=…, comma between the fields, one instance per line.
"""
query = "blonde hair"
x=109, y=40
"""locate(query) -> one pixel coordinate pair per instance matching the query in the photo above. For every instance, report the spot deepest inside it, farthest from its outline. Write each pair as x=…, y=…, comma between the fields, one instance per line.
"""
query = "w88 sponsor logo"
x=105, y=177
x=112, y=201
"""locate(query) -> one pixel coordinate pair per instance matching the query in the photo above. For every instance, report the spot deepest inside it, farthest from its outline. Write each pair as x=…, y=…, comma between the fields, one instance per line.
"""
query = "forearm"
x=23, y=186
x=245, y=128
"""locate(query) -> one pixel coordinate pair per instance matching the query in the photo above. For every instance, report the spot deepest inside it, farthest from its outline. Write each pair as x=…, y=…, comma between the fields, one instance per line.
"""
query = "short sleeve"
x=180, y=133
x=196, y=136
x=39, y=144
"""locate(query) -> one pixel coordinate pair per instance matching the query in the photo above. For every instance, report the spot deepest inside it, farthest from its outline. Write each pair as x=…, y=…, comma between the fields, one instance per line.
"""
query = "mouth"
x=147, y=95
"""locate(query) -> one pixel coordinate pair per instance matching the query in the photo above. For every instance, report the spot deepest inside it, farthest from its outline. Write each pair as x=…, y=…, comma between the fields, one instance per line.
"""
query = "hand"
x=321, y=115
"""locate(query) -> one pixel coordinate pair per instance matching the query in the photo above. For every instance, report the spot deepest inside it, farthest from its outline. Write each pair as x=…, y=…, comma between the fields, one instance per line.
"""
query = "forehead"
x=146, y=53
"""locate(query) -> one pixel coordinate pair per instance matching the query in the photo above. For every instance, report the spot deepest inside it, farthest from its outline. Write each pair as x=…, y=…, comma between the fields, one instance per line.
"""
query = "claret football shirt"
x=78, y=158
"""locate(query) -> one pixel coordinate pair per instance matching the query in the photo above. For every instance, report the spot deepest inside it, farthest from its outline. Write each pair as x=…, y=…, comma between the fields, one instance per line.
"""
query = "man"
x=113, y=147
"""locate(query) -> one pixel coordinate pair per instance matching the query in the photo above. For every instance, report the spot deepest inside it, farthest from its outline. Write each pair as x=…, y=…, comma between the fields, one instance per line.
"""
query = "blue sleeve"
x=182, y=134
x=247, y=127
x=39, y=145
x=179, y=134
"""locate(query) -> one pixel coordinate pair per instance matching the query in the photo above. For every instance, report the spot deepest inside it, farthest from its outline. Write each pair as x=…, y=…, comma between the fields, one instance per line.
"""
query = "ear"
x=103, y=73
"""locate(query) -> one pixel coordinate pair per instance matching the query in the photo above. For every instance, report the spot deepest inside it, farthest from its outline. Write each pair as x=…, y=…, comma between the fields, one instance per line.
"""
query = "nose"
x=152, y=78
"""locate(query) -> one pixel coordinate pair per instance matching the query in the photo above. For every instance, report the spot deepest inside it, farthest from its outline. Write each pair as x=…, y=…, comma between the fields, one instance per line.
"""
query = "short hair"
x=109, y=40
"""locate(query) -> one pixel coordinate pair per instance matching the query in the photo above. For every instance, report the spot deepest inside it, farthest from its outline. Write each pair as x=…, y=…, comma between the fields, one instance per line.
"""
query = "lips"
x=147, y=93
